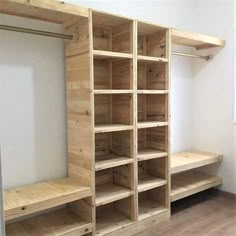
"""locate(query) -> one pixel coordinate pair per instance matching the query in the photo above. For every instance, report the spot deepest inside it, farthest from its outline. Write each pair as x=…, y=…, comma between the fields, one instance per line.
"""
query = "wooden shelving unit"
x=117, y=78
x=185, y=179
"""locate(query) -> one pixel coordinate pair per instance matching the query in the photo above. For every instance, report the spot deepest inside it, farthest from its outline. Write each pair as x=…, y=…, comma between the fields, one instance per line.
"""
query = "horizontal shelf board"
x=189, y=183
x=198, y=41
x=60, y=222
x=110, y=222
x=149, y=153
x=152, y=59
x=145, y=91
x=149, y=208
x=102, y=128
x=151, y=124
x=107, y=193
x=192, y=159
x=113, y=91
x=98, y=54
x=149, y=182
x=112, y=161
x=40, y=196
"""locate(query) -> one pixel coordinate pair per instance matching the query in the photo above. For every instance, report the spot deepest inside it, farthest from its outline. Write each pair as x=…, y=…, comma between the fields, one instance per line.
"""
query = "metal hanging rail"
x=71, y=37
x=37, y=32
x=183, y=54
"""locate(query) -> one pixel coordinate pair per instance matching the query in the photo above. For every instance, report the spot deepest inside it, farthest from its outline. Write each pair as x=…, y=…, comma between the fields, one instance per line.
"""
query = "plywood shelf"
x=102, y=128
x=108, y=193
x=111, y=221
x=193, y=159
x=151, y=59
x=150, y=153
x=149, y=182
x=99, y=54
x=145, y=91
x=40, y=196
x=148, y=208
x=113, y=91
x=151, y=124
x=198, y=41
x=189, y=183
x=60, y=222
x=111, y=161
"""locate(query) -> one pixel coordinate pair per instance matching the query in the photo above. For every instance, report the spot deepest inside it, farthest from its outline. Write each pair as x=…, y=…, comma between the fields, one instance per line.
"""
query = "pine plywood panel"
x=189, y=183
x=47, y=10
x=60, y=222
x=33, y=198
x=199, y=41
x=192, y=159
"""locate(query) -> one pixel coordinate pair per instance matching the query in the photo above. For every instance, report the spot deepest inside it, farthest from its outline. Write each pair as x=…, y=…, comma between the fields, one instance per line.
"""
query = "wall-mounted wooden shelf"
x=198, y=41
x=189, y=183
x=192, y=159
x=37, y=197
x=59, y=222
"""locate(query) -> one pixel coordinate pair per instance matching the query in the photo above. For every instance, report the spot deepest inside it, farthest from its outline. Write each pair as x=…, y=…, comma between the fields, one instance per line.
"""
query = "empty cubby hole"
x=113, y=74
x=112, y=33
x=113, y=109
x=152, y=40
x=152, y=76
x=153, y=107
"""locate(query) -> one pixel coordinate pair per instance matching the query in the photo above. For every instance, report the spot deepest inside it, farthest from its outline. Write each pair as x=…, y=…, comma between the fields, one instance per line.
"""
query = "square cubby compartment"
x=152, y=107
x=152, y=173
x=113, y=109
x=152, y=40
x=113, y=184
x=152, y=76
x=114, y=216
x=152, y=202
x=152, y=143
x=113, y=74
x=111, y=33
x=113, y=149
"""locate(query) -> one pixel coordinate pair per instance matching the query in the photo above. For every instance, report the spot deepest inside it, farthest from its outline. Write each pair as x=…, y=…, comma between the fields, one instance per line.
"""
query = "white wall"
x=32, y=120
x=214, y=88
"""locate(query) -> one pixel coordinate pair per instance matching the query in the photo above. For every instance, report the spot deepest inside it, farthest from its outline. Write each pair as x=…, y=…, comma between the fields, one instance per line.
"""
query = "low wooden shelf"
x=60, y=222
x=102, y=128
x=150, y=153
x=192, y=159
x=40, y=196
x=189, y=183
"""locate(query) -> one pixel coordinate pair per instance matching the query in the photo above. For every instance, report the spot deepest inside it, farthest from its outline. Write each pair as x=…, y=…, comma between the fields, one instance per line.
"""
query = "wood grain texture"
x=192, y=159
x=33, y=198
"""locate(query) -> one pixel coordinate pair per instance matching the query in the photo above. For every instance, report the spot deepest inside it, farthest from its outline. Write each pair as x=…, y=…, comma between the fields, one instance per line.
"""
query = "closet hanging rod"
x=183, y=54
x=37, y=32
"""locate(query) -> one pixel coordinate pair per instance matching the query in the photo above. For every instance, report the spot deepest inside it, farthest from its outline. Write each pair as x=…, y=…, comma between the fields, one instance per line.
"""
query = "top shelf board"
x=198, y=41
x=48, y=10
x=184, y=161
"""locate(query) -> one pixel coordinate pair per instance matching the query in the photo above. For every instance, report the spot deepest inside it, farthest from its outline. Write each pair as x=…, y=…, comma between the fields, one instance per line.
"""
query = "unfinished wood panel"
x=152, y=202
x=198, y=41
x=193, y=159
x=152, y=76
x=112, y=74
x=151, y=174
x=113, y=149
x=50, y=10
x=113, y=216
x=79, y=104
x=59, y=222
x=189, y=183
x=37, y=197
x=112, y=33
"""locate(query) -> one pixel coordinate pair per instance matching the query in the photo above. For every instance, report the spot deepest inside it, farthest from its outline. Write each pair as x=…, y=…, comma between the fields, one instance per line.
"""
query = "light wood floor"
x=206, y=214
